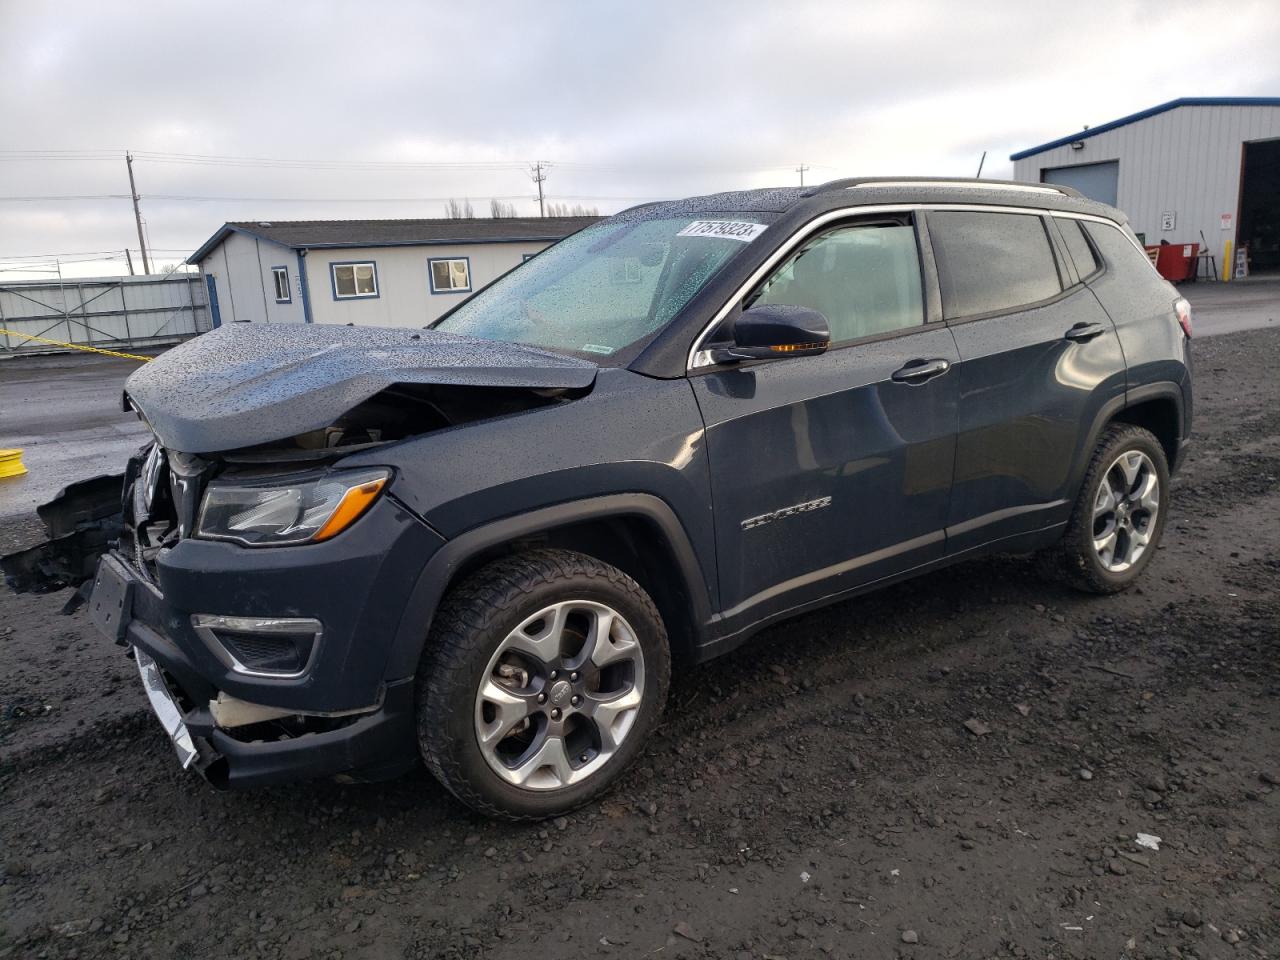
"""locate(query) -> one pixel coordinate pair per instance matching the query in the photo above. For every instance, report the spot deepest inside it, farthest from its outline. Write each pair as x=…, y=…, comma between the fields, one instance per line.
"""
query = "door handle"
x=919, y=370
x=1084, y=331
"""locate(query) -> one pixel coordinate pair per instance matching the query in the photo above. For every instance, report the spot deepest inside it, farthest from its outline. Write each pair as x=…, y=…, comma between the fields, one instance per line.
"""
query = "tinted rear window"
x=1121, y=253
x=991, y=261
x=1077, y=246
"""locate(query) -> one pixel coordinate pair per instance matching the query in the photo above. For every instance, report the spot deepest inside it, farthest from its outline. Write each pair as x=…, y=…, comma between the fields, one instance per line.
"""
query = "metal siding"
x=114, y=313
x=404, y=292
x=1097, y=181
x=244, y=278
x=1185, y=160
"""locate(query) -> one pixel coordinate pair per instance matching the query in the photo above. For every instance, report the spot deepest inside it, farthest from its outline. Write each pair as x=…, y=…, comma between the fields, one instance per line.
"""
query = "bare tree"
x=502, y=209
x=577, y=210
x=459, y=211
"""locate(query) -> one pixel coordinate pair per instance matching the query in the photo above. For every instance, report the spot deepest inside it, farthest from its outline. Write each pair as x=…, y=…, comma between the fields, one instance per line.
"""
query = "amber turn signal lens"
x=793, y=347
x=354, y=502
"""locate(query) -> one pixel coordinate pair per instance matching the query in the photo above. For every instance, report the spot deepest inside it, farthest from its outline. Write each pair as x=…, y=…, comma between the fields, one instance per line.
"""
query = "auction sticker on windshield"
x=729, y=229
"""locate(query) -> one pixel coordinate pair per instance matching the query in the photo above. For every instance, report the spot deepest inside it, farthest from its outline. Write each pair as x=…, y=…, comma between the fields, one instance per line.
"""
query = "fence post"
x=124, y=308
x=191, y=298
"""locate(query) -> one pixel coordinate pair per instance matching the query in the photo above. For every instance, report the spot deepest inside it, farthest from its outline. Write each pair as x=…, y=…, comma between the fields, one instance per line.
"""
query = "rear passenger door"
x=1039, y=358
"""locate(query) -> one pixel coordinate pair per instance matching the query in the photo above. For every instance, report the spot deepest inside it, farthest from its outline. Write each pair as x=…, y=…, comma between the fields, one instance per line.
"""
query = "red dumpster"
x=1175, y=261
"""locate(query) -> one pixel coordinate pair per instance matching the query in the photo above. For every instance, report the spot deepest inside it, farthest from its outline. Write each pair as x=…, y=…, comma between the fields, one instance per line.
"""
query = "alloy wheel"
x=1125, y=511
x=560, y=695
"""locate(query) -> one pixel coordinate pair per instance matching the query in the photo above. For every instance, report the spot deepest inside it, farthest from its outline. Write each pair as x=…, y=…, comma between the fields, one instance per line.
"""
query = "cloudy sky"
x=376, y=109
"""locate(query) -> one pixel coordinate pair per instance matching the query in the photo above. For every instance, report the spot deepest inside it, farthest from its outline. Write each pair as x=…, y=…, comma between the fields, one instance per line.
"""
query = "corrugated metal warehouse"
x=1199, y=170
x=390, y=273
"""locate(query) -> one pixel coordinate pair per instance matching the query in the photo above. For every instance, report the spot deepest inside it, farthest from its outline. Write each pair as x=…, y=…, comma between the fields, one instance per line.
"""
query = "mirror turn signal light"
x=793, y=347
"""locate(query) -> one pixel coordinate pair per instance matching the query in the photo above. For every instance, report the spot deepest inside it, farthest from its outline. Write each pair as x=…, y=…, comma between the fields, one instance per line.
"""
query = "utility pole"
x=539, y=175
x=129, y=259
x=981, y=162
x=801, y=170
x=137, y=214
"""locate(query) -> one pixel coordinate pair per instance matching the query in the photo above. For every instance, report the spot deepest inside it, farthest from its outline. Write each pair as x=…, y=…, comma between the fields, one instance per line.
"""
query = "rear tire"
x=1118, y=517
x=543, y=675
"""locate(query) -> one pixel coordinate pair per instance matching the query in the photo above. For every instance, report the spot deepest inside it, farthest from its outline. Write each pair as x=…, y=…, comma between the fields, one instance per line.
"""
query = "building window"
x=450, y=276
x=280, y=275
x=354, y=280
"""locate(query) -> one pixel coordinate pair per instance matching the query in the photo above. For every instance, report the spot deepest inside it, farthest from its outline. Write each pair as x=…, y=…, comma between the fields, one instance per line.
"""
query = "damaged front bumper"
x=239, y=725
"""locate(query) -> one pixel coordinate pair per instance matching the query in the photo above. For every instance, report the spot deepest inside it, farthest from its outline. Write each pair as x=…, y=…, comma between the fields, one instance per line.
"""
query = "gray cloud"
x=630, y=100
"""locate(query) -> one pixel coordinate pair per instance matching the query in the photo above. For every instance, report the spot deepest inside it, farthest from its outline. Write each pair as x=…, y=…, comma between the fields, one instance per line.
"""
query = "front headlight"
x=279, y=511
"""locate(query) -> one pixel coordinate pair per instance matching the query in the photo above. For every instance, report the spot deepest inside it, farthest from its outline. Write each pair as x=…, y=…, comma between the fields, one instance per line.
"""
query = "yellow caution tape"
x=11, y=463
x=78, y=346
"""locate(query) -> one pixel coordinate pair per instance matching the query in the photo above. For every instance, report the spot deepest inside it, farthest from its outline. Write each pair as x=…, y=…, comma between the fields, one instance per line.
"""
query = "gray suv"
x=482, y=544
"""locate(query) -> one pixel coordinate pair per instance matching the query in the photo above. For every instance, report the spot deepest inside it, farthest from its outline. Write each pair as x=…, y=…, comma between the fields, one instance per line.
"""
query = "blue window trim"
x=288, y=289
x=431, y=277
x=333, y=280
x=214, y=312
x=304, y=286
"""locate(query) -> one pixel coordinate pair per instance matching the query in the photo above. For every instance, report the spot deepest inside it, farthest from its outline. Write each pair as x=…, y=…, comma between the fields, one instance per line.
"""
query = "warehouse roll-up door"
x=1097, y=181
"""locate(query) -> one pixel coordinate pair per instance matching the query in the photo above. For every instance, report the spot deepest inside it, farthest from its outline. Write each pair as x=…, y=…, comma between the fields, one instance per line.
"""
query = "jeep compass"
x=481, y=545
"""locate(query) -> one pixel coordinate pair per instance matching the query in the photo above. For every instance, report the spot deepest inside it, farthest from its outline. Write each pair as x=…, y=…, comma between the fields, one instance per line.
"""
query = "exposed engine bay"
x=154, y=502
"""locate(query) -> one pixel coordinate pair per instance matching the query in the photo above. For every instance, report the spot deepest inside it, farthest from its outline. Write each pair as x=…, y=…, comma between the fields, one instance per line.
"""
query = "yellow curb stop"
x=11, y=463
x=76, y=346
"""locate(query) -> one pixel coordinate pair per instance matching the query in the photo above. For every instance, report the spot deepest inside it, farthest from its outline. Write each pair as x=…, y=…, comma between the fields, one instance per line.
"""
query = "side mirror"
x=775, y=330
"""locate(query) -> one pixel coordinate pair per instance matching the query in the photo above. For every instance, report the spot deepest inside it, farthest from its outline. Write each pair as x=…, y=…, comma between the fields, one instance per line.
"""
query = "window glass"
x=354, y=280
x=991, y=261
x=281, y=277
x=447, y=275
x=1077, y=246
x=608, y=287
x=1119, y=252
x=864, y=279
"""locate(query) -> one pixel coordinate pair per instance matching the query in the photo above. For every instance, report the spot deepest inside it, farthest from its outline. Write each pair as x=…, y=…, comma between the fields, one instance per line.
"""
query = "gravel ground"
x=955, y=767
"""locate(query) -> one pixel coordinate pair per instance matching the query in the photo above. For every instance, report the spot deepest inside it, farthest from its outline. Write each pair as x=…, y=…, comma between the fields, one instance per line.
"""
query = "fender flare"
x=415, y=622
x=1159, y=390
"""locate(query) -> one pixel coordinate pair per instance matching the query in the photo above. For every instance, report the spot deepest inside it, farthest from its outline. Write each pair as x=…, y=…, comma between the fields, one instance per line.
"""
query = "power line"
x=86, y=196
x=83, y=253
x=335, y=164
x=198, y=198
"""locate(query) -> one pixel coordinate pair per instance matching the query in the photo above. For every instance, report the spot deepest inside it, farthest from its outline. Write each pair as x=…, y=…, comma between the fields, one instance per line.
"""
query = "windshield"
x=609, y=286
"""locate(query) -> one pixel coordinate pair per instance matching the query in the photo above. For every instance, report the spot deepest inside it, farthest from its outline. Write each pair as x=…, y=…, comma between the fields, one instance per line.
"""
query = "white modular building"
x=390, y=273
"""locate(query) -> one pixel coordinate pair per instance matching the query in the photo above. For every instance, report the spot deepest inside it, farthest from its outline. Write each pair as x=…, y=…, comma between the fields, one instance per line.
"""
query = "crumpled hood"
x=247, y=384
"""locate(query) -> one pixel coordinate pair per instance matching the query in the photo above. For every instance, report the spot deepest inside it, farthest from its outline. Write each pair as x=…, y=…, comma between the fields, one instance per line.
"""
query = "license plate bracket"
x=111, y=603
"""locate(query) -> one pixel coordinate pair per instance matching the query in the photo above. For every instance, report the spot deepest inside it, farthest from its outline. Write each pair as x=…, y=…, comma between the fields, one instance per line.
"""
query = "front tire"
x=542, y=677
x=1118, y=517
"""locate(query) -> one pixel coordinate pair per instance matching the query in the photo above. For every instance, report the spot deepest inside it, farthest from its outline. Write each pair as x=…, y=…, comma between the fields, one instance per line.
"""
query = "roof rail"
x=963, y=183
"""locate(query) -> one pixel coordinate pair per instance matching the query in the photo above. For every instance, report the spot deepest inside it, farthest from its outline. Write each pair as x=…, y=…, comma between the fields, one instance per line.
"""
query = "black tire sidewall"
x=1133, y=439
x=457, y=714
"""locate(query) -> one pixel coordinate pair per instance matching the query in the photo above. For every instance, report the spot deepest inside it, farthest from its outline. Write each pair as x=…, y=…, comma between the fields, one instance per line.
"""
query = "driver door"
x=833, y=471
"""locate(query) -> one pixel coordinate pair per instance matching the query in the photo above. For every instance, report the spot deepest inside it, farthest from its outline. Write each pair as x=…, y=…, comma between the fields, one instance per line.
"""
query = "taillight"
x=1183, y=310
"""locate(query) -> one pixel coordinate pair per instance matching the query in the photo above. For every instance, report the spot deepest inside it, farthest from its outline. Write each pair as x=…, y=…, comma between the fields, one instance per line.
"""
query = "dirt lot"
x=815, y=794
